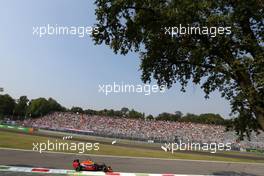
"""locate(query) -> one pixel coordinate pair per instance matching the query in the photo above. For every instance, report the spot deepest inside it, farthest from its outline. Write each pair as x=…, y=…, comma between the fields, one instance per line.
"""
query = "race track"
x=127, y=164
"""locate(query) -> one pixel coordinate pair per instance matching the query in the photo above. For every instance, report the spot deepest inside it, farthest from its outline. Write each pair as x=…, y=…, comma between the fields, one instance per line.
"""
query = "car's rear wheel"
x=78, y=169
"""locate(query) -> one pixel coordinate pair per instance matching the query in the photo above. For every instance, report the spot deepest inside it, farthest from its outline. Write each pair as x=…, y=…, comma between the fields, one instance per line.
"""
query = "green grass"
x=99, y=139
x=25, y=141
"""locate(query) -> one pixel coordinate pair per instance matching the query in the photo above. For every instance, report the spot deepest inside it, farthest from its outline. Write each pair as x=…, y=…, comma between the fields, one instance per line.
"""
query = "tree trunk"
x=259, y=113
x=254, y=99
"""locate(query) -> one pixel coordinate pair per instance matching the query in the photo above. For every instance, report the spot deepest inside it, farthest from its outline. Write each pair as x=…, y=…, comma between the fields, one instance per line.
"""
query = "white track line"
x=131, y=157
x=83, y=173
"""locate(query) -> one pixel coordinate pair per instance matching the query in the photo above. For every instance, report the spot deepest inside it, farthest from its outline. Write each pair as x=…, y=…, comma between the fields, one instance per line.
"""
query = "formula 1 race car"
x=89, y=165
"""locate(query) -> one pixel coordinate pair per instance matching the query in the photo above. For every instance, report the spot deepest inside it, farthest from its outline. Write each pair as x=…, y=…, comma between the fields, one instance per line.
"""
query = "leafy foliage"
x=20, y=109
x=232, y=64
x=76, y=109
x=41, y=106
x=168, y=117
x=24, y=108
x=7, y=105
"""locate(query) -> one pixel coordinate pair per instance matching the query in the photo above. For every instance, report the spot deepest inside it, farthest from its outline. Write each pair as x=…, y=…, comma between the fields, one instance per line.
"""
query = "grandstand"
x=144, y=130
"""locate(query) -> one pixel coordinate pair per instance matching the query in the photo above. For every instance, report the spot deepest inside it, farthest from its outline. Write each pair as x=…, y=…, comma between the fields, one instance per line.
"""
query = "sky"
x=70, y=69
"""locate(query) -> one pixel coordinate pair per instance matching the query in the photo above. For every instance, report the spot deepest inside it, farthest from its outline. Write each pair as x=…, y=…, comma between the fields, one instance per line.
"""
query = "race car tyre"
x=109, y=169
x=78, y=169
x=104, y=168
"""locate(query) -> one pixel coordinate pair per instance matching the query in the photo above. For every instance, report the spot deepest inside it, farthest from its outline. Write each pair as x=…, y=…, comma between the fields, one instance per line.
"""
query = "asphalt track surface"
x=127, y=164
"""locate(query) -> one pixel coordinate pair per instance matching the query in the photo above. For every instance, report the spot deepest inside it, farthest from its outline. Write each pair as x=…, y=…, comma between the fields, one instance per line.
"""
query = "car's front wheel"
x=104, y=168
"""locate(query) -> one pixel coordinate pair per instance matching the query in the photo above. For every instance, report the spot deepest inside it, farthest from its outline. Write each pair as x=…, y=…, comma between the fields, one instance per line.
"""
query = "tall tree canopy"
x=21, y=107
x=42, y=106
x=7, y=105
x=231, y=63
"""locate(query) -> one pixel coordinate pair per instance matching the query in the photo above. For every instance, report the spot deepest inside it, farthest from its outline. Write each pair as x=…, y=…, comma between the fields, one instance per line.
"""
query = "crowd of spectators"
x=158, y=131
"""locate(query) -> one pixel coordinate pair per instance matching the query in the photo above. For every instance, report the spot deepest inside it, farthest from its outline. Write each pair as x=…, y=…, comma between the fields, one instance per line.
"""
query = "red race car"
x=89, y=165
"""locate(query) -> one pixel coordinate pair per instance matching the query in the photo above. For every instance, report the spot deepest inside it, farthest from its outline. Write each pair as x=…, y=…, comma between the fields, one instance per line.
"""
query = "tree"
x=167, y=116
x=54, y=105
x=76, y=109
x=178, y=114
x=118, y=113
x=7, y=105
x=230, y=63
x=124, y=111
x=189, y=117
x=135, y=115
x=110, y=112
x=21, y=107
x=211, y=118
x=38, y=107
x=90, y=112
x=150, y=117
